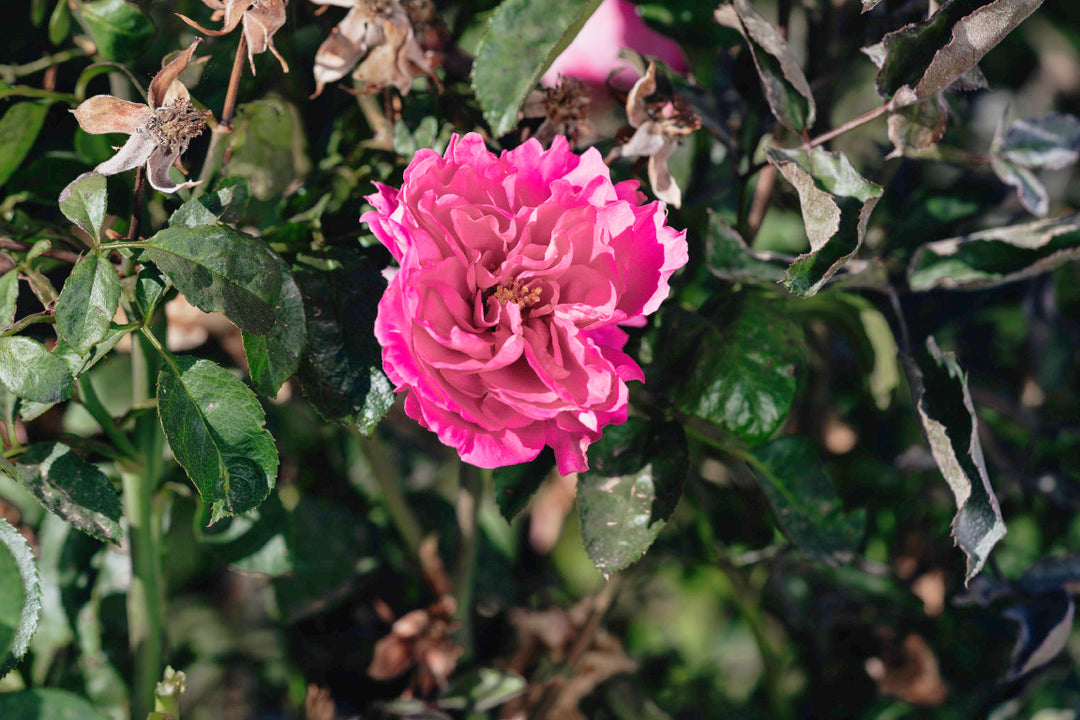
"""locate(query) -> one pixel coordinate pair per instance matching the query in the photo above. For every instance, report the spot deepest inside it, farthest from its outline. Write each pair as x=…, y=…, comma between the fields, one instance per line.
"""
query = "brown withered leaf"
x=377, y=38
x=159, y=130
x=261, y=19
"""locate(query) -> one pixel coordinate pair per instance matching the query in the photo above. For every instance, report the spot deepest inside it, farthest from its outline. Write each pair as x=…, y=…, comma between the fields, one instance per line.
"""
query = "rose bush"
x=516, y=273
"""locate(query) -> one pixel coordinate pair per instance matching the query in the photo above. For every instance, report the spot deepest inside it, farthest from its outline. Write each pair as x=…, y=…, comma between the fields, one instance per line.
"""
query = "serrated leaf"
x=73, y=489
x=30, y=371
x=1029, y=188
x=340, y=371
x=516, y=484
x=88, y=302
x=1045, y=621
x=120, y=29
x=47, y=704
x=947, y=416
x=922, y=59
x=836, y=203
x=20, y=599
x=1050, y=142
x=274, y=357
x=730, y=258
x=223, y=204
x=522, y=40
x=997, y=256
x=219, y=269
x=215, y=428
x=9, y=297
x=743, y=375
x=83, y=202
x=786, y=89
x=804, y=500
x=19, y=129
x=621, y=514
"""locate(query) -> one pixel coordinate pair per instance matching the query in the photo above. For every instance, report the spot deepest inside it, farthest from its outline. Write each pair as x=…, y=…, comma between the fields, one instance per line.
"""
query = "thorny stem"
x=467, y=507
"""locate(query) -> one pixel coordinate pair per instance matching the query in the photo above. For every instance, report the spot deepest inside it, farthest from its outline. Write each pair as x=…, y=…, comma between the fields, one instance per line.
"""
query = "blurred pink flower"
x=594, y=53
x=515, y=274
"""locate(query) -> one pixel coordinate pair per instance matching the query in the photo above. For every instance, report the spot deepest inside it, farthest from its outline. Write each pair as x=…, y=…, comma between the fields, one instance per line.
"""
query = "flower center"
x=516, y=293
x=176, y=123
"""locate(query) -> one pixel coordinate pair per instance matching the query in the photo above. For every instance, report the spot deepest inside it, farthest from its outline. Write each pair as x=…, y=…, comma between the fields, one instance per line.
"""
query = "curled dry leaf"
x=261, y=19
x=159, y=130
x=909, y=672
x=378, y=39
x=660, y=122
x=565, y=109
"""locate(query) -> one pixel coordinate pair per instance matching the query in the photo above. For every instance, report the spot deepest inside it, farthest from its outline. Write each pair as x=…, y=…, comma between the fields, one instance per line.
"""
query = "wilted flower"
x=160, y=130
x=661, y=124
x=516, y=273
x=565, y=109
x=378, y=35
x=261, y=18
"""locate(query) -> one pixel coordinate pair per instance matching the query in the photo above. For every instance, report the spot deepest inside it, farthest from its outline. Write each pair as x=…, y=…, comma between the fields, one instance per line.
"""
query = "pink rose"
x=515, y=274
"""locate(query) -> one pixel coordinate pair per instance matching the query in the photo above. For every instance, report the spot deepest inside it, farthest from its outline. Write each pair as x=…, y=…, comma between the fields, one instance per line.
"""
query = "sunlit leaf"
x=274, y=357
x=522, y=40
x=214, y=424
x=482, y=689
x=730, y=258
x=20, y=600
x=225, y=203
x=9, y=297
x=120, y=29
x=997, y=256
x=868, y=5
x=1051, y=142
x=918, y=126
x=19, y=128
x=88, y=302
x=83, y=202
x=785, y=85
x=836, y=204
x=1029, y=188
x=945, y=411
x=30, y=371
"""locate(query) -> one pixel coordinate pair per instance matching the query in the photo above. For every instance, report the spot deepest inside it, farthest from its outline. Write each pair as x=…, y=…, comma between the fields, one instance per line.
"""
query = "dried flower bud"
x=261, y=19
x=565, y=109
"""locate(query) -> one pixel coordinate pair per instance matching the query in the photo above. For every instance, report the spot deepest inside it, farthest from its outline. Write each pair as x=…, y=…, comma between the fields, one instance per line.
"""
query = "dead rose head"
x=160, y=130
x=517, y=274
x=261, y=19
x=378, y=35
x=660, y=125
x=565, y=109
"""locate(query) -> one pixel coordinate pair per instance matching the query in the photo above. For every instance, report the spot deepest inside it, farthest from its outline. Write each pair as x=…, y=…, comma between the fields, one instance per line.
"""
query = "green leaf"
x=88, y=302
x=918, y=126
x=30, y=371
x=221, y=270
x=268, y=147
x=522, y=40
x=868, y=5
x=274, y=357
x=47, y=704
x=730, y=258
x=20, y=600
x=785, y=85
x=636, y=477
x=516, y=484
x=923, y=59
x=836, y=204
x=1046, y=623
x=997, y=256
x=255, y=542
x=120, y=29
x=804, y=500
x=73, y=489
x=945, y=411
x=83, y=202
x=743, y=374
x=1050, y=142
x=481, y=690
x=223, y=204
x=9, y=297
x=214, y=424
x=19, y=129
x=150, y=287
x=340, y=371
x=59, y=22
x=1029, y=188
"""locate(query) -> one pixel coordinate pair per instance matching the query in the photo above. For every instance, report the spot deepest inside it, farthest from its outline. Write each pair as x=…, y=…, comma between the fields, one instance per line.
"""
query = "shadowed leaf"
x=73, y=489
x=1045, y=621
x=274, y=357
x=731, y=259
x=19, y=129
x=516, y=484
x=47, y=704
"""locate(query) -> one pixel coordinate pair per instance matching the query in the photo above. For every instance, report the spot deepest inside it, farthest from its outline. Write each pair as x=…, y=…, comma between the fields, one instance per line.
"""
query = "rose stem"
x=389, y=481
x=214, y=153
x=467, y=507
x=136, y=203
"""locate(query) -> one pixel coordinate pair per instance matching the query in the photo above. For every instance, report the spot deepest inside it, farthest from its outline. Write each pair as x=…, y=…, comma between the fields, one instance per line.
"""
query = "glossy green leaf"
x=268, y=148
x=274, y=357
x=730, y=258
x=47, y=704
x=150, y=288
x=20, y=599
x=945, y=411
x=215, y=428
x=997, y=256
x=743, y=374
x=83, y=202
x=19, y=128
x=73, y=489
x=9, y=296
x=219, y=269
x=1052, y=141
x=1029, y=188
x=120, y=29
x=30, y=371
x=340, y=371
x=59, y=22
x=636, y=477
x=516, y=484
x=923, y=59
x=836, y=204
x=225, y=203
x=804, y=501
x=88, y=302
x=786, y=89
x=522, y=40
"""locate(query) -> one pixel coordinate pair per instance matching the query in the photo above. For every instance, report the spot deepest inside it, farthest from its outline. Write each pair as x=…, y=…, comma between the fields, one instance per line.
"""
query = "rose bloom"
x=516, y=271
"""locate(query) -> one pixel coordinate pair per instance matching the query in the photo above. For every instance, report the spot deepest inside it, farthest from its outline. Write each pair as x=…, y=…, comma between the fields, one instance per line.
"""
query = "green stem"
x=467, y=508
x=38, y=317
x=9, y=73
x=92, y=402
x=389, y=481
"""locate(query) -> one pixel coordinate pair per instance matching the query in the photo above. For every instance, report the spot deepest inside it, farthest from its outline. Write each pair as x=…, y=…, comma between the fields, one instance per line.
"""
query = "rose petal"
x=107, y=114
